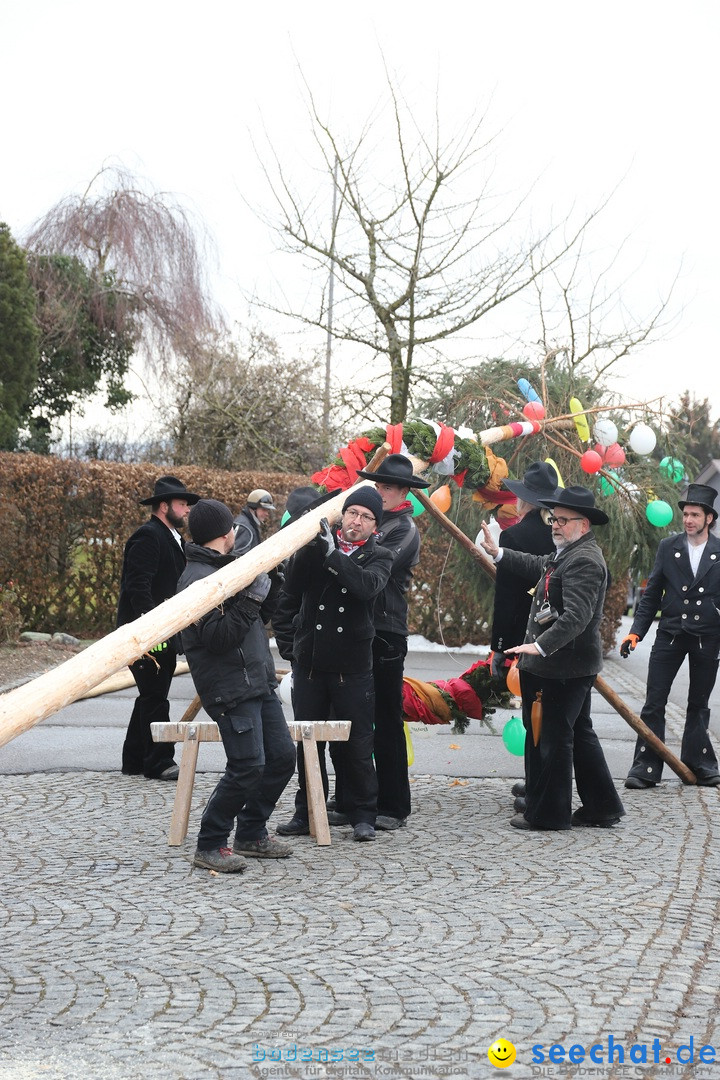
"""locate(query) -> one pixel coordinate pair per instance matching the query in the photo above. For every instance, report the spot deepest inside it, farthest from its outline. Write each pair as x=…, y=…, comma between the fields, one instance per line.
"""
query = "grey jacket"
x=574, y=582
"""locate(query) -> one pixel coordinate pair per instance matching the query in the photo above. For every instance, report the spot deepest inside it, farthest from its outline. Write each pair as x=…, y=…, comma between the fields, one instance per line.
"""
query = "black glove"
x=258, y=589
x=497, y=665
x=627, y=645
x=326, y=539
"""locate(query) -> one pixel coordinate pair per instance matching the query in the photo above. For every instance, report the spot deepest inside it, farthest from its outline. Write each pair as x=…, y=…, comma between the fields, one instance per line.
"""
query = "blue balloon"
x=527, y=391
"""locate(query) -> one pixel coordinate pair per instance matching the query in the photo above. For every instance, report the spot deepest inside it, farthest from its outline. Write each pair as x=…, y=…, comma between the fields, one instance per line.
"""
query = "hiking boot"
x=267, y=847
x=294, y=827
x=220, y=859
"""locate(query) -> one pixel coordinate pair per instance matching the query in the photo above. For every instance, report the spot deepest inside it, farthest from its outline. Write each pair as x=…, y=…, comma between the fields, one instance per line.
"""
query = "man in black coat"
x=559, y=659
x=324, y=623
x=398, y=533
x=685, y=586
x=152, y=563
x=234, y=674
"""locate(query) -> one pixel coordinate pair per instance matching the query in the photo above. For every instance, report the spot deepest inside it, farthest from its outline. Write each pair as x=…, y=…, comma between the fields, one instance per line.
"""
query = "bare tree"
x=418, y=257
x=145, y=245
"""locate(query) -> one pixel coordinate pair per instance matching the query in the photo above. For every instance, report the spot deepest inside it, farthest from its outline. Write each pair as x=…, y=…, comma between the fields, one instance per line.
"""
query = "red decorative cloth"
x=444, y=444
x=393, y=435
x=342, y=477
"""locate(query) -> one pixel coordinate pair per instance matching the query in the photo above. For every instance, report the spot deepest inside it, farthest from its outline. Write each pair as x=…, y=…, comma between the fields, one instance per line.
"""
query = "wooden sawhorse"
x=192, y=732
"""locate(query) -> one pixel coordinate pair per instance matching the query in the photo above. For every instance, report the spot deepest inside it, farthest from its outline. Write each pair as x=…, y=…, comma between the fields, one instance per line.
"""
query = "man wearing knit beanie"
x=324, y=624
x=234, y=674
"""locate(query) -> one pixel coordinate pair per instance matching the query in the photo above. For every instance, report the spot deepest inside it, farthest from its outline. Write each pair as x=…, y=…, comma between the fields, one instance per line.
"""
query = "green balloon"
x=418, y=507
x=606, y=482
x=672, y=468
x=659, y=513
x=514, y=736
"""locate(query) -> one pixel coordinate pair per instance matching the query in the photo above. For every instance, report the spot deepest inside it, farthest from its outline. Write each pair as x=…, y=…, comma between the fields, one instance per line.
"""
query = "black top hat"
x=577, y=498
x=169, y=487
x=539, y=482
x=700, y=495
x=395, y=469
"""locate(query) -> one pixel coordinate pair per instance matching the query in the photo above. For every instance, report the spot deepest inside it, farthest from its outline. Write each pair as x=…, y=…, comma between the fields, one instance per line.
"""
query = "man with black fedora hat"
x=685, y=587
x=559, y=659
x=152, y=563
x=397, y=533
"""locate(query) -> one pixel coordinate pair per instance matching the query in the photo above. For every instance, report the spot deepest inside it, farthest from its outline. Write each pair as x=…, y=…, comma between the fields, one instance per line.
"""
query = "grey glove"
x=259, y=588
x=326, y=538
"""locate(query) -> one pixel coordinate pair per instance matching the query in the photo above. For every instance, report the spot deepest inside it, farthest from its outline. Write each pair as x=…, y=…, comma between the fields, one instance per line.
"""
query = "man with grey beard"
x=559, y=660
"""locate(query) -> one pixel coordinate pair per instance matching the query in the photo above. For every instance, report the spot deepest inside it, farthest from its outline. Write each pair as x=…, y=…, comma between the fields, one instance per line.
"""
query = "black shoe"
x=171, y=773
x=520, y=805
x=336, y=818
x=388, y=823
x=294, y=827
x=637, y=782
x=363, y=831
x=709, y=781
x=519, y=822
x=518, y=789
x=579, y=818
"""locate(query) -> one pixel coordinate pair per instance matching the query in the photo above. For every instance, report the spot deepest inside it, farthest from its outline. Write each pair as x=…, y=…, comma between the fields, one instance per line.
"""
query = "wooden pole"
x=606, y=691
x=22, y=708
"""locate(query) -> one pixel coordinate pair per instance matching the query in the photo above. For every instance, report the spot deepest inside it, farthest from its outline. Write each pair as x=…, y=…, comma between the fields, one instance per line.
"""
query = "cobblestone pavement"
x=402, y=958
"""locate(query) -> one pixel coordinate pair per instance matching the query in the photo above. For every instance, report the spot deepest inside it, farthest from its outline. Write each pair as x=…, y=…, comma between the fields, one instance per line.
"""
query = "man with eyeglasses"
x=324, y=621
x=559, y=660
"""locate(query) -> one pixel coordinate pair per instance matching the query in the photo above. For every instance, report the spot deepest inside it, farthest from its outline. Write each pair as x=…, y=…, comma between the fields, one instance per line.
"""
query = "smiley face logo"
x=501, y=1053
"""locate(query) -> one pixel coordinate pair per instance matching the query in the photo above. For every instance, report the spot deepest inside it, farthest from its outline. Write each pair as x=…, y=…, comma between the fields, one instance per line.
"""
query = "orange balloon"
x=442, y=498
x=513, y=679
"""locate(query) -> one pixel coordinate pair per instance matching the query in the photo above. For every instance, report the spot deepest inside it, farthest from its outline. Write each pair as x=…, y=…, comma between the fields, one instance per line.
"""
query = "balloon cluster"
x=608, y=455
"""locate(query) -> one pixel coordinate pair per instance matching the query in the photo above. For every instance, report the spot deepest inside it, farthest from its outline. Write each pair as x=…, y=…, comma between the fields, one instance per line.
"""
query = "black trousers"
x=260, y=762
x=391, y=764
x=139, y=753
x=567, y=738
x=348, y=697
x=666, y=658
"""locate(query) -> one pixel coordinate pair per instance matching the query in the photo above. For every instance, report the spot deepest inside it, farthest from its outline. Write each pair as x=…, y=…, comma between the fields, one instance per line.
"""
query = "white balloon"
x=642, y=439
x=606, y=432
x=285, y=688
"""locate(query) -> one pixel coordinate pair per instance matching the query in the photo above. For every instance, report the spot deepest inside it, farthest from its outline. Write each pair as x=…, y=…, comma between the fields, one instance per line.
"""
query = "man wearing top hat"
x=559, y=659
x=152, y=563
x=398, y=534
x=685, y=586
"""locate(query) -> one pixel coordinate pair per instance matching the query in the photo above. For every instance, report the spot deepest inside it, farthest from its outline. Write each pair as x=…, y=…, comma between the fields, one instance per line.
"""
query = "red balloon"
x=591, y=462
x=534, y=410
x=614, y=455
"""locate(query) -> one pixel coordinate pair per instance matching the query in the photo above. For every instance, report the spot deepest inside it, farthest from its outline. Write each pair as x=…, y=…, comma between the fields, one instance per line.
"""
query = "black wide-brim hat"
x=395, y=469
x=577, y=498
x=169, y=487
x=539, y=482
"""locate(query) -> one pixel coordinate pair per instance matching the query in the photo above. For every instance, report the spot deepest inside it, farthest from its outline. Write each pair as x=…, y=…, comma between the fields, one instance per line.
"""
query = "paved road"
x=403, y=958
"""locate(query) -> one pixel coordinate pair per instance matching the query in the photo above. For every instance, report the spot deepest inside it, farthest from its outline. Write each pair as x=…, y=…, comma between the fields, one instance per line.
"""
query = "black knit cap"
x=368, y=497
x=209, y=519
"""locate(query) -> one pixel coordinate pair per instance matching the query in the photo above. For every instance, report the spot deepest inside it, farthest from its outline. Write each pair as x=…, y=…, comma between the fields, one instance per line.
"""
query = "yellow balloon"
x=549, y=461
x=580, y=420
x=442, y=498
